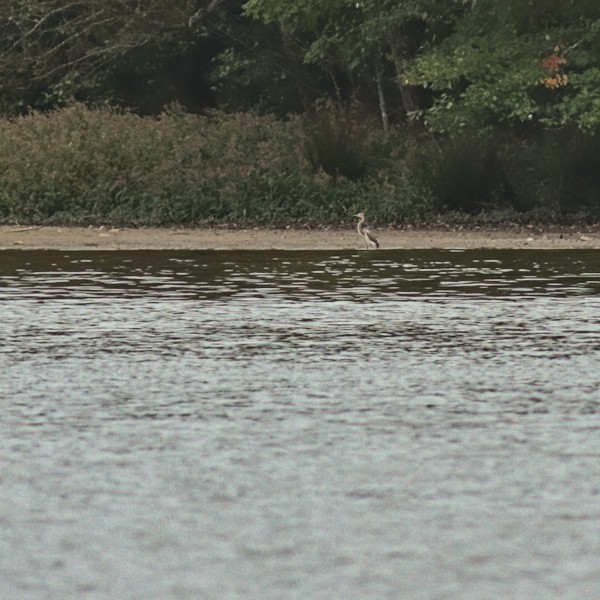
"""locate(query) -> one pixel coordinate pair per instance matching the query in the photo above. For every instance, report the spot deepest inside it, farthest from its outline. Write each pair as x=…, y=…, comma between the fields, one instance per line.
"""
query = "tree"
x=520, y=61
x=51, y=50
x=363, y=39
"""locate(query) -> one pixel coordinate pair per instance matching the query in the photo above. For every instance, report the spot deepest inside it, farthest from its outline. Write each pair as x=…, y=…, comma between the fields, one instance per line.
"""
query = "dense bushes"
x=98, y=166
x=78, y=165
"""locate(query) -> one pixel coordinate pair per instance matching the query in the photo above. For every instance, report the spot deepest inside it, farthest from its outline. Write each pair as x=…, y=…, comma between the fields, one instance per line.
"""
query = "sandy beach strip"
x=106, y=238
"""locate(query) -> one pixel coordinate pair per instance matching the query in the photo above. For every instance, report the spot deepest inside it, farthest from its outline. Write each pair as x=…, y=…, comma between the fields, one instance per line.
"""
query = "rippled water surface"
x=402, y=424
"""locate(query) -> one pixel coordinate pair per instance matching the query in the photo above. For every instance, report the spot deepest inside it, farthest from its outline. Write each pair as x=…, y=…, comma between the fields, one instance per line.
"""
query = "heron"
x=363, y=231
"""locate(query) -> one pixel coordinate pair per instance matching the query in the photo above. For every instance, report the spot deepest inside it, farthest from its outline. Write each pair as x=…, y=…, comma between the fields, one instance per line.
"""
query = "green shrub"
x=463, y=174
x=337, y=142
x=576, y=156
x=82, y=165
x=557, y=173
x=78, y=166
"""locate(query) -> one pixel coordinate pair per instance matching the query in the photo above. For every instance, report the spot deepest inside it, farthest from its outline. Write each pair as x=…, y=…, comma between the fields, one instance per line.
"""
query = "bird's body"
x=364, y=232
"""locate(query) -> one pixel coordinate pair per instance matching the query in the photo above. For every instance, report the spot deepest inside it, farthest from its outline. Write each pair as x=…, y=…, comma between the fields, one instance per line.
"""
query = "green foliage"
x=254, y=81
x=78, y=165
x=358, y=40
x=464, y=174
x=508, y=94
x=474, y=91
x=119, y=51
x=337, y=142
x=82, y=166
x=581, y=106
x=555, y=174
x=575, y=157
x=514, y=62
x=452, y=64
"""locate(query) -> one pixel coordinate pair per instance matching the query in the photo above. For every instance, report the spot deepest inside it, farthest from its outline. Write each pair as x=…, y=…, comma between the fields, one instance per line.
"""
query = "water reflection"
x=298, y=275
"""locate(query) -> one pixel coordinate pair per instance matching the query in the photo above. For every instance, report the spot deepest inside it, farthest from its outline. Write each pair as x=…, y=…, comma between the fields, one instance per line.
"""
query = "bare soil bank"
x=100, y=238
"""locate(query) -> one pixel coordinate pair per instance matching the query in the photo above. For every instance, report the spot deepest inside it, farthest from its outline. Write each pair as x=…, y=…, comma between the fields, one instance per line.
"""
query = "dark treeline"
x=446, y=106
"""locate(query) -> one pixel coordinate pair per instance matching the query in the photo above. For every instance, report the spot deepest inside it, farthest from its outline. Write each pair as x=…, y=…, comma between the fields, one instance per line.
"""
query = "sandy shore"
x=100, y=238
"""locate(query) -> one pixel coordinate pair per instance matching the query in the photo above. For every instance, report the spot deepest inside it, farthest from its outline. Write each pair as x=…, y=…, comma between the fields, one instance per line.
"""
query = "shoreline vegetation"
x=79, y=166
x=263, y=113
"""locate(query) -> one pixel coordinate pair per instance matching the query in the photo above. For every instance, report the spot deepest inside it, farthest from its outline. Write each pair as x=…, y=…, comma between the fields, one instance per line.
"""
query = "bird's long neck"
x=360, y=225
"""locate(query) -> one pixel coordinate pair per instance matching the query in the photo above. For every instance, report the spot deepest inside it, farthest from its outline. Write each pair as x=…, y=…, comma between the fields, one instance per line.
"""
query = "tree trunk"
x=410, y=98
x=382, y=102
x=295, y=65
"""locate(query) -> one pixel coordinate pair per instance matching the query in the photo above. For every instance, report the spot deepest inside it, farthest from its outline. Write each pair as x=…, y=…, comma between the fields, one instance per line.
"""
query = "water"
x=403, y=424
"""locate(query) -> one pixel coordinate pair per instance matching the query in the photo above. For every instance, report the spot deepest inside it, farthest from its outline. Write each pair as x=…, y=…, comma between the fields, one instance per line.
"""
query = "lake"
x=224, y=424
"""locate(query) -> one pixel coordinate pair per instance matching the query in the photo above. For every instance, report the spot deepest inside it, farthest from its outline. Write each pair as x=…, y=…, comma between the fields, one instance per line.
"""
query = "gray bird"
x=363, y=231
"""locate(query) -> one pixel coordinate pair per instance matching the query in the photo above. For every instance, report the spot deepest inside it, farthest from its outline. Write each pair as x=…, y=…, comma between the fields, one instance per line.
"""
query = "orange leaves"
x=553, y=83
x=553, y=64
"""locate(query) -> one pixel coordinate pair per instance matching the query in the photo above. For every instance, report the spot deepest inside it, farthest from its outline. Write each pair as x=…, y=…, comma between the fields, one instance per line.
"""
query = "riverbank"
x=102, y=238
